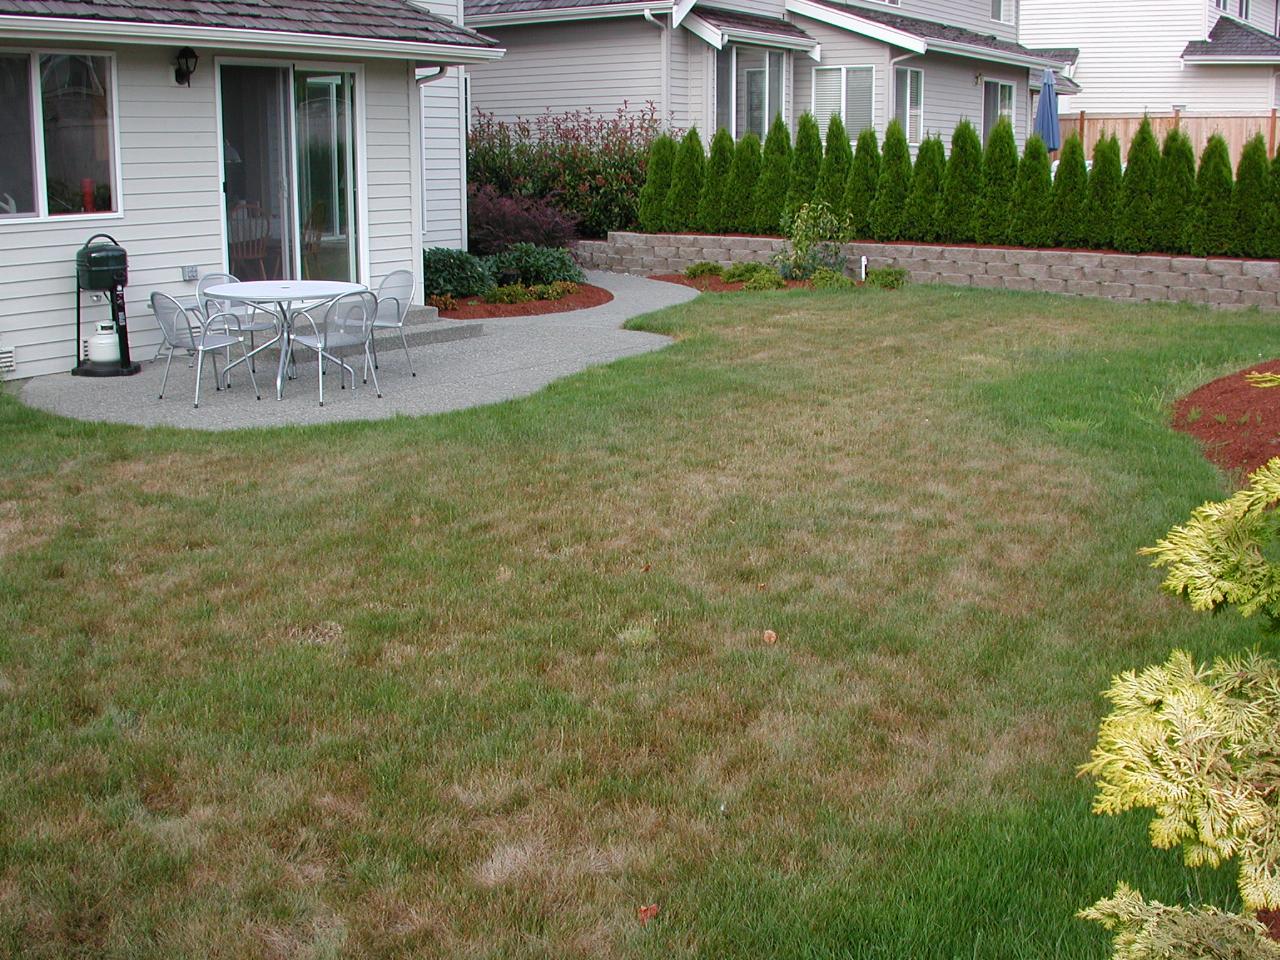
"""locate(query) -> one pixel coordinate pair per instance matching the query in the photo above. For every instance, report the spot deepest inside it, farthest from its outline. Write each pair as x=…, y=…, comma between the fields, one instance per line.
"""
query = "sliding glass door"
x=288, y=162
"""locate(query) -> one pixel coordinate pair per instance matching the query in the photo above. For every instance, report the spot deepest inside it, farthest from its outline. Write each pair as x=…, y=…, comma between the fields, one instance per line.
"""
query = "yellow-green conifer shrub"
x=1149, y=930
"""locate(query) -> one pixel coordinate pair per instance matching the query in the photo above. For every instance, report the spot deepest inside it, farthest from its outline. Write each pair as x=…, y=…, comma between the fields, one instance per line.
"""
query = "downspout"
x=891, y=88
x=664, y=63
x=431, y=77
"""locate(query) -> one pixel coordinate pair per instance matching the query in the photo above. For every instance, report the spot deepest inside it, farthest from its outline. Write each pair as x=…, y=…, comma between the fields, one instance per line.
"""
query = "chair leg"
x=199, y=370
x=213, y=359
x=376, y=388
x=405, y=343
x=320, y=373
x=374, y=343
x=165, y=379
x=252, y=377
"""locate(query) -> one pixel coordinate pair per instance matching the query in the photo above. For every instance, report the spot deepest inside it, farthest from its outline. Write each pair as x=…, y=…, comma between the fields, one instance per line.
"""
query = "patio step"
x=423, y=325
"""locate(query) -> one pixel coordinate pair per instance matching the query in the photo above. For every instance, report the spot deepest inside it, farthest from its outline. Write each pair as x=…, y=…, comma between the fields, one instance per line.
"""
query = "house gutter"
x=272, y=41
x=555, y=15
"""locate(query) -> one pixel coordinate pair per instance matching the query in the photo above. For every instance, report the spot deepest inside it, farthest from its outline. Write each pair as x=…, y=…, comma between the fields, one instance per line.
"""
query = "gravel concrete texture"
x=510, y=358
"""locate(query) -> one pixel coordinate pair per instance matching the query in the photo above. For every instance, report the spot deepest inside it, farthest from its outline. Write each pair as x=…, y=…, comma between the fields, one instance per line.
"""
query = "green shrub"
x=1271, y=226
x=806, y=164
x=745, y=271
x=739, y=215
x=553, y=291
x=531, y=264
x=765, y=280
x=813, y=231
x=686, y=184
x=860, y=189
x=775, y=174
x=704, y=268
x=1212, y=228
x=711, y=203
x=888, y=213
x=1032, y=226
x=999, y=176
x=453, y=273
x=833, y=175
x=443, y=302
x=1104, y=193
x=962, y=186
x=1136, y=217
x=926, y=192
x=588, y=165
x=1249, y=200
x=887, y=278
x=509, y=293
x=824, y=278
x=1070, y=194
x=1175, y=193
x=657, y=184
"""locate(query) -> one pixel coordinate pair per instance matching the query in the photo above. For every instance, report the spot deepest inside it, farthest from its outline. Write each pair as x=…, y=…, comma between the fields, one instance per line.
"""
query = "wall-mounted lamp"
x=184, y=65
x=977, y=79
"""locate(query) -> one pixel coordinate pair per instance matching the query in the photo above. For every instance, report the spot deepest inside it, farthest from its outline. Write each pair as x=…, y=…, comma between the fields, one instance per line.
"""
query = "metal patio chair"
x=347, y=322
x=249, y=318
x=395, y=295
x=186, y=330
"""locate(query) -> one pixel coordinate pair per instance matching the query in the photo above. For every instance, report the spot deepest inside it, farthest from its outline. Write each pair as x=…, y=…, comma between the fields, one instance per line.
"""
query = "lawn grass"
x=481, y=685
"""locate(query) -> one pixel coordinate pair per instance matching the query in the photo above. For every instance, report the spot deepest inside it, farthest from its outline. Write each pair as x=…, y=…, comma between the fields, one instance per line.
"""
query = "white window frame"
x=1013, y=104
x=906, y=127
x=41, y=214
x=733, y=81
x=1242, y=9
x=844, y=95
x=1007, y=10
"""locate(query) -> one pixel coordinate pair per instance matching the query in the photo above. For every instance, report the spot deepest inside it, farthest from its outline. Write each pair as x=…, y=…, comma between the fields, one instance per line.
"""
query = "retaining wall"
x=1217, y=282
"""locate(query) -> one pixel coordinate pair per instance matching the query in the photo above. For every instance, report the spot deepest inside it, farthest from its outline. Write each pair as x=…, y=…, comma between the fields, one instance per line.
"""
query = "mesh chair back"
x=395, y=294
x=208, y=305
x=174, y=322
x=351, y=315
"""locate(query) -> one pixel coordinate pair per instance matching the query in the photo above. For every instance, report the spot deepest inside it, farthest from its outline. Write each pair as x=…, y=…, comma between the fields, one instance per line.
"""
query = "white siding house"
x=170, y=169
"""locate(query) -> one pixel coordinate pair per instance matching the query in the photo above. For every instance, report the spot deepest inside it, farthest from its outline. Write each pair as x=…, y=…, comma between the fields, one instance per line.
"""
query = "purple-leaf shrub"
x=495, y=222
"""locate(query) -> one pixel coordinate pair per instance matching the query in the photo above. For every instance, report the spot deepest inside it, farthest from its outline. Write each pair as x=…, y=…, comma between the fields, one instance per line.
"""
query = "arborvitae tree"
x=1104, y=193
x=739, y=214
x=711, y=203
x=657, y=184
x=1136, y=218
x=1175, y=193
x=1271, y=226
x=833, y=176
x=806, y=162
x=860, y=188
x=1212, y=226
x=1070, y=193
x=962, y=186
x=686, y=183
x=1249, y=199
x=775, y=173
x=889, y=212
x=999, y=174
x=1032, y=226
x=926, y=192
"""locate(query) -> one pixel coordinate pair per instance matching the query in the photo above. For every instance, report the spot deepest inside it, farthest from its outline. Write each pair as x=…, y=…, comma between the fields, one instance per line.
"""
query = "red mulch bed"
x=473, y=308
x=1238, y=423
x=714, y=284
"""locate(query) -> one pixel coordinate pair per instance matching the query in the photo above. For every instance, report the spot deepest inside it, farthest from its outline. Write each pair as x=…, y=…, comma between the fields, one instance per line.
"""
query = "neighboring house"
x=737, y=63
x=1157, y=56
x=296, y=148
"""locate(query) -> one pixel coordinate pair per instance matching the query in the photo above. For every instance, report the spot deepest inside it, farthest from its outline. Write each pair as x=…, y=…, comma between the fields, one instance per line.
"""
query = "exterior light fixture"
x=184, y=63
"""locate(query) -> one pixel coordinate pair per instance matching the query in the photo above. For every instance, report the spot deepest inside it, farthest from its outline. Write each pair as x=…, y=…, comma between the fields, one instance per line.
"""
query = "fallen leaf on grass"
x=645, y=914
x=770, y=637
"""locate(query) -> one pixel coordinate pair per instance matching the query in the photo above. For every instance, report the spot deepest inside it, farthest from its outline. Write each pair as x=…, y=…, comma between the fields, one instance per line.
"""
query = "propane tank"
x=104, y=345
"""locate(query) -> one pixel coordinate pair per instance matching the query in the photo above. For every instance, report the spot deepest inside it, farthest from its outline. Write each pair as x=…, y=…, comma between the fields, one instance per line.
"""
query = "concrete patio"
x=459, y=364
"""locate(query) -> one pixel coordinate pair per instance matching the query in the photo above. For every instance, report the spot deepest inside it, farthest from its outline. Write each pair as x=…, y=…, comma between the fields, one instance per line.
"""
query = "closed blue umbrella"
x=1046, y=125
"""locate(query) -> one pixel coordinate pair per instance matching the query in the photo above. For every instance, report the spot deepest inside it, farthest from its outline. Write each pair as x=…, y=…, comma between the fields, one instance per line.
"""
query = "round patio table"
x=283, y=295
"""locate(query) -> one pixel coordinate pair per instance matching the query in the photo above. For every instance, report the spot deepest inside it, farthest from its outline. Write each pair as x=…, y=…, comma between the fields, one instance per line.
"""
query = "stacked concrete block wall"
x=1216, y=282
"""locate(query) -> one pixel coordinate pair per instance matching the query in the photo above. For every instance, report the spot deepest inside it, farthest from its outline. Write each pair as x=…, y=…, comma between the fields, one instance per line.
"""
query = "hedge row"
x=1158, y=201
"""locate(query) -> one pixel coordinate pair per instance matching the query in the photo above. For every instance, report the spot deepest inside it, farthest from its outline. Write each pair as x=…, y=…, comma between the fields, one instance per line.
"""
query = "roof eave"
x=557, y=14
x=855, y=24
x=1227, y=60
x=274, y=41
x=975, y=52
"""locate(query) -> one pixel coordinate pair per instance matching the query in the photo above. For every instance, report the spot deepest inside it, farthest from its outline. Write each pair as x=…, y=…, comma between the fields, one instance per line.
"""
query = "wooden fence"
x=1236, y=128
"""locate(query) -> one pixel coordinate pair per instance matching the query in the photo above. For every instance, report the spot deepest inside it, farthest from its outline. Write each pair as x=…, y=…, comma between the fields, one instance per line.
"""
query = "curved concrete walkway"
x=510, y=358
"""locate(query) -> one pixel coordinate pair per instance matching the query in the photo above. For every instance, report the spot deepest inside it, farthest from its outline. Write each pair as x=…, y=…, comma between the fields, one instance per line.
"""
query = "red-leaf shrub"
x=495, y=222
x=589, y=165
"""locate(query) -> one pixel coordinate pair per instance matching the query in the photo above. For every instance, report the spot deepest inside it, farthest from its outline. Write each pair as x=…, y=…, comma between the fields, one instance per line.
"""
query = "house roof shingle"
x=932, y=29
x=733, y=20
x=480, y=8
x=1230, y=38
x=1066, y=55
x=396, y=20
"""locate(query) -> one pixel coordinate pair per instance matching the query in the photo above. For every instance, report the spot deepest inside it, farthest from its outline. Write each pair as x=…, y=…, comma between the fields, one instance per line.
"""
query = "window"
x=908, y=102
x=58, y=153
x=749, y=89
x=1243, y=9
x=997, y=102
x=1221, y=4
x=1275, y=91
x=1002, y=10
x=846, y=91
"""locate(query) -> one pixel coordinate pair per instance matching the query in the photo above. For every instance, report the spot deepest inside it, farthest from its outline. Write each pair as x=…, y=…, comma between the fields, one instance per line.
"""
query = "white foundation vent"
x=7, y=362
